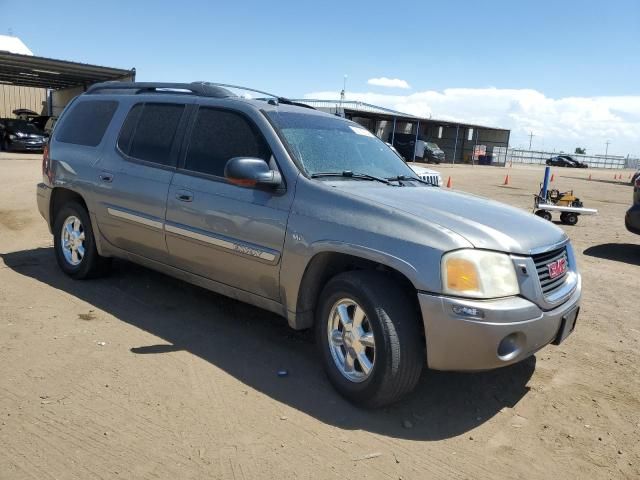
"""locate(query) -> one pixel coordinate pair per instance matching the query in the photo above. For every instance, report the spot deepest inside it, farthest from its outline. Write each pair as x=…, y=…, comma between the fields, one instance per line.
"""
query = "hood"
x=484, y=223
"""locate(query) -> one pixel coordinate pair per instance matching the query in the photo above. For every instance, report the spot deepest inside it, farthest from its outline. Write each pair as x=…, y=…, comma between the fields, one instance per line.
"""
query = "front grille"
x=550, y=285
x=430, y=178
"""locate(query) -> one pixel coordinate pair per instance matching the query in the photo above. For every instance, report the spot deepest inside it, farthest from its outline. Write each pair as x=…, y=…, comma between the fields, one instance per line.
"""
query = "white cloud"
x=388, y=82
x=561, y=124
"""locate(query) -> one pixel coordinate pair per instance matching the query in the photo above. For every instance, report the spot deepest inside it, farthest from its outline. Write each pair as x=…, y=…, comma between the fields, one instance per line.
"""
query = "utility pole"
x=342, y=95
x=344, y=89
x=606, y=151
x=531, y=135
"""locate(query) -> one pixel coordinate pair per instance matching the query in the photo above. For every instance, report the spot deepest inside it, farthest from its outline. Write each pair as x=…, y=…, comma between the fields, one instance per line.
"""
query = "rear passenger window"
x=220, y=135
x=149, y=130
x=86, y=123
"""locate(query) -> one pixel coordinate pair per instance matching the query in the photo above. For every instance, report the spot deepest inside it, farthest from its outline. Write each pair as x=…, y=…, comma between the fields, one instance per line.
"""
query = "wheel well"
x=326, y=265
x=61, y=196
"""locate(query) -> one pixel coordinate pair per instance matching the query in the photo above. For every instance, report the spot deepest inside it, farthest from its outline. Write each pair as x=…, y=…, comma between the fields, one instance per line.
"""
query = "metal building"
x=460, y=141
x=45, y=85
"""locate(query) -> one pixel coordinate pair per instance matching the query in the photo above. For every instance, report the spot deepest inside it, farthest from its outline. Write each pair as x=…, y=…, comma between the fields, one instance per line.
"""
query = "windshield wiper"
x=350, y=174
x=406, y=178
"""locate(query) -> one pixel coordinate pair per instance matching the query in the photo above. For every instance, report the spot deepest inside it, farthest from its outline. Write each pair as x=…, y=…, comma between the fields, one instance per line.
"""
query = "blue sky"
x=559, y=49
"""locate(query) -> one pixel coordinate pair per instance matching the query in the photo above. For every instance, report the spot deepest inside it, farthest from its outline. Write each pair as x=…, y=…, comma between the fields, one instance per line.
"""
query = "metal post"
x=415, y=145
x=506, y=150
x=545, y=183
x=475, y=149
x=455, y=145
x=393, y=132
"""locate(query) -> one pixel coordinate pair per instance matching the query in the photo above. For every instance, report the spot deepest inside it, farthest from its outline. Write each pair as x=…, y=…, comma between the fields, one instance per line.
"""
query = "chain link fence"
x=594, y=161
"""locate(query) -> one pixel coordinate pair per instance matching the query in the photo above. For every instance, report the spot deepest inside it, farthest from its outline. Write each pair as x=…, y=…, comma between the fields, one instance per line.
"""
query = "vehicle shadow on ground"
x=252, y=345
x=619, y=252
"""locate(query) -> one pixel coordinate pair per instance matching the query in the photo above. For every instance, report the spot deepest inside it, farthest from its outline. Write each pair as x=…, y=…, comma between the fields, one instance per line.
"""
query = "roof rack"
x=200, y=89
x=203, y=89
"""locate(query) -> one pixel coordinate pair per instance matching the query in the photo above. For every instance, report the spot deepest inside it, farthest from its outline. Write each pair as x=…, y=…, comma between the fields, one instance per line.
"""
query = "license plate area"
x=567, y=325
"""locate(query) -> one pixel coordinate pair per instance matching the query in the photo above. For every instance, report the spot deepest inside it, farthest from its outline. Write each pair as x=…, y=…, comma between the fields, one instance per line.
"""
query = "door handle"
x=106, y=177
x=184, y=196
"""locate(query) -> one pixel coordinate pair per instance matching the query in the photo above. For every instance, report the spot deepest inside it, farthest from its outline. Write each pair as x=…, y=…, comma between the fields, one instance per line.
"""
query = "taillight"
x=46, y=164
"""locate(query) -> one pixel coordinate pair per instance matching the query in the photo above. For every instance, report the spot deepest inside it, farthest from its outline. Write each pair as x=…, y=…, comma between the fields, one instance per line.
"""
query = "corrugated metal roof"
x=352, y=106
x=41, y=72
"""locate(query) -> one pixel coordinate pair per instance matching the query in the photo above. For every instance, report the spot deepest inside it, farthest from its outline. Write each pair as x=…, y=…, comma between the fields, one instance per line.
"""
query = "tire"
x=391, y=317
x=544, y=214
x=90, y=264
x=569, y=218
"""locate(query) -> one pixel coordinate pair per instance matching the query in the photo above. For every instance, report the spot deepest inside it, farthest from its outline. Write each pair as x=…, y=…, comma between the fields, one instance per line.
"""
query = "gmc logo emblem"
x=557, y=268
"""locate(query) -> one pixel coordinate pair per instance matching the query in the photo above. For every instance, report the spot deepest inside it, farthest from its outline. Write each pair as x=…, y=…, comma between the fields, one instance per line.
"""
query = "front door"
x=230, y=234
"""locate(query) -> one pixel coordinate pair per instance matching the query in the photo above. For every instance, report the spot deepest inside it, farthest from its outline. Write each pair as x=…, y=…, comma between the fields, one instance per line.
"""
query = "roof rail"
x=200, y=89
x=203, y=89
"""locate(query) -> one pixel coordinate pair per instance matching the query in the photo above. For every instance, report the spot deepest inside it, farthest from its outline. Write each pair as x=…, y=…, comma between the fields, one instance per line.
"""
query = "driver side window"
x=218, y=136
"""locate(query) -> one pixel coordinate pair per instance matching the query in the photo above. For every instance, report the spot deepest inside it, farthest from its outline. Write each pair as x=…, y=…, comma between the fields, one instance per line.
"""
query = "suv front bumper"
x=510, y=330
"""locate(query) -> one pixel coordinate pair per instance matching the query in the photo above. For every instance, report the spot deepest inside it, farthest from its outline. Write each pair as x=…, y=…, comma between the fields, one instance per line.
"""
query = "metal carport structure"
x=61, y=78
x=456, y=139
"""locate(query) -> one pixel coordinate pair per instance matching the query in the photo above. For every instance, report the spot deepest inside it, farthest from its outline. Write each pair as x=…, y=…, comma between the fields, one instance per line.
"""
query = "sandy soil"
x=141, y=376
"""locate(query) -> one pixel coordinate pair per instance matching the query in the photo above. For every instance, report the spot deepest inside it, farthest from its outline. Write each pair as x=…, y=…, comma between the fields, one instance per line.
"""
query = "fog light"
x=511, y=346
x=471, y=312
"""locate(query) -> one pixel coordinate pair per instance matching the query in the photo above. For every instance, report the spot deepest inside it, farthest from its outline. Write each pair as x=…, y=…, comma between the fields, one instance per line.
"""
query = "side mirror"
x=250, y=172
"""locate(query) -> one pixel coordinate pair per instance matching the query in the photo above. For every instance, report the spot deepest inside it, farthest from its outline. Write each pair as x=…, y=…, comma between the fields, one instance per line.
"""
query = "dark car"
x=422, y=150
x=566, y=161
x=21, y=135
x=632, y=218
x=635, y=177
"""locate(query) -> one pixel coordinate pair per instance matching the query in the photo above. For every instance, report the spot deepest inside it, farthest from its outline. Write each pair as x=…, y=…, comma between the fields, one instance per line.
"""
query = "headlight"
x=20, y=134
x=478, y=274
x=12, y=136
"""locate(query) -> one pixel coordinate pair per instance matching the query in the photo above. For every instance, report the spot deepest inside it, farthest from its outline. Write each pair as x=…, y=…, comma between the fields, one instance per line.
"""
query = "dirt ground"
x=141, y=376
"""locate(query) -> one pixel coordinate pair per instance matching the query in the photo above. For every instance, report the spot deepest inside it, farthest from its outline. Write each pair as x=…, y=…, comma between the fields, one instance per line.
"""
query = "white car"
x=427, y=174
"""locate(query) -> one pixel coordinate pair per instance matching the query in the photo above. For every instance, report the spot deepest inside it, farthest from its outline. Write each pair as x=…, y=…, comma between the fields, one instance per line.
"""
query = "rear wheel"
x=369, y=338
x=74, y=243
x=569, y=218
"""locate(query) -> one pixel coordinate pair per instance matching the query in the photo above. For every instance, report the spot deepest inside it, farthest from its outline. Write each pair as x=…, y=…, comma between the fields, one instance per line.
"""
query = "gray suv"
x=310, y=216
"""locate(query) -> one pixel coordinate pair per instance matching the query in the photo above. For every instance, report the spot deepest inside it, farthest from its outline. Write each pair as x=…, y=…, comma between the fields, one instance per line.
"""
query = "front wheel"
x=75, y=245
x=367, y=329
x=544, y=214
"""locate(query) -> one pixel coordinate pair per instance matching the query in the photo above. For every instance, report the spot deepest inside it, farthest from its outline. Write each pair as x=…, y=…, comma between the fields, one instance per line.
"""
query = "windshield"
x=331, y=144
x=22, y=126
x=433, y=146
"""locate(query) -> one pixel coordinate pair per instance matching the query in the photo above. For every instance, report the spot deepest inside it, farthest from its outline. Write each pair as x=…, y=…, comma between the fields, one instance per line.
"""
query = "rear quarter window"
x=86, y=123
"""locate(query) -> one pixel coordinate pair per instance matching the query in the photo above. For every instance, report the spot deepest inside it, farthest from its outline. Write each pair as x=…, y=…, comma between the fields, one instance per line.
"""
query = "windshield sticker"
x=361, y=131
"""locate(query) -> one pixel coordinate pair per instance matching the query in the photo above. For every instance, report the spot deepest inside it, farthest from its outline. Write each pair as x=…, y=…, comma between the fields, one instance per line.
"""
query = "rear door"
x=228, y=233
x=134, y=177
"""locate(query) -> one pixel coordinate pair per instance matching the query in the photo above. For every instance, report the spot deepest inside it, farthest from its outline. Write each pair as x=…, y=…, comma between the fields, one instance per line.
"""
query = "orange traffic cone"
x=552, y=177
x=506, y=180
x=589, y=176
x=615, y=177
x=449, y=182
